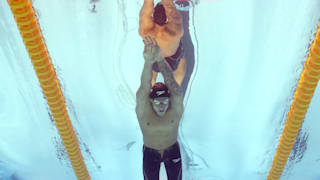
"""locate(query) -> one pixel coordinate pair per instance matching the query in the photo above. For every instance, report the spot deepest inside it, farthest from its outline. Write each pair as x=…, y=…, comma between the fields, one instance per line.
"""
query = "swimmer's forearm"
x=146, y=76
x=169, y=80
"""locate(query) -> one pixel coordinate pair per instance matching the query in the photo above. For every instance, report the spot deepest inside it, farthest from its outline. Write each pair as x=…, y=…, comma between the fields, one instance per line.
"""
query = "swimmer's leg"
x=173, y=163
x=180, y=72
x=151, y=164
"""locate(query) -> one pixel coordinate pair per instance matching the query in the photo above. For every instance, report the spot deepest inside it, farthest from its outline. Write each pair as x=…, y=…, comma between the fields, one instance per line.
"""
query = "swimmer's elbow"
x=145, y=30
x=180, y=32
x=180, y=28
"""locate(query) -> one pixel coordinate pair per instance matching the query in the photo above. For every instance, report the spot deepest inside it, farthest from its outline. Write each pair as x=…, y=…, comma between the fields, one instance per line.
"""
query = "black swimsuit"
x=173, y=60
x=171, y=158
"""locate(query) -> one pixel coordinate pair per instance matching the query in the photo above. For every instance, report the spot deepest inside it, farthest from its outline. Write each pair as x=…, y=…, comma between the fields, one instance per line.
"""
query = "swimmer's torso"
x=159, y=132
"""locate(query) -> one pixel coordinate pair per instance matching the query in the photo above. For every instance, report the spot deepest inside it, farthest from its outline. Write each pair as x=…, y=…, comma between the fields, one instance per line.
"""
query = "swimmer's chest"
x=152, y=123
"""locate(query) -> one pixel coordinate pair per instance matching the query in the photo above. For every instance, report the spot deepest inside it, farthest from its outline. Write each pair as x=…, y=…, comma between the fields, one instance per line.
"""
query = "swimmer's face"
x=160, y=105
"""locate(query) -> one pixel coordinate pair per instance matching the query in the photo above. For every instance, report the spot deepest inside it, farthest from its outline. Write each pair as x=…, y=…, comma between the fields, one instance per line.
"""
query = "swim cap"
x=159, y=89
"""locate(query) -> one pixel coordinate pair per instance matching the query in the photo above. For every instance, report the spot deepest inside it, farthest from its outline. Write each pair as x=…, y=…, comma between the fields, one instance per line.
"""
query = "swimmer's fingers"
x=145, y=41
x=154, y=42
x=148, y=40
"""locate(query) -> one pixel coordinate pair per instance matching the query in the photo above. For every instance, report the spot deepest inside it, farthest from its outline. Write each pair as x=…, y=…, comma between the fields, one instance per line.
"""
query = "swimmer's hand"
x=149, y=40
x=148, y=53
x=151, y=53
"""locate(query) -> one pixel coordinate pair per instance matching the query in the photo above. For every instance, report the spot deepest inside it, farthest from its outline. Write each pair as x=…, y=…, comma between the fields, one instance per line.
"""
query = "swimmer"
x=162, y=25
x=159, y=109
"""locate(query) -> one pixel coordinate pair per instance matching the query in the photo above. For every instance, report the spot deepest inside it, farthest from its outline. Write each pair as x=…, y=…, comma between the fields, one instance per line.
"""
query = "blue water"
x=245, y=56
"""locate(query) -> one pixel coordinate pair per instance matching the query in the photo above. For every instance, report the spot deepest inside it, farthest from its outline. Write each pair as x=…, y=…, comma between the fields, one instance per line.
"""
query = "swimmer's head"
x=159, y=89
x=160, y=98
x=159, y=15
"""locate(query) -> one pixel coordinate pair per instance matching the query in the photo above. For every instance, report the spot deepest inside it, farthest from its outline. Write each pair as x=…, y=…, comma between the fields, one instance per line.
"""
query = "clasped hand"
x=152, y=52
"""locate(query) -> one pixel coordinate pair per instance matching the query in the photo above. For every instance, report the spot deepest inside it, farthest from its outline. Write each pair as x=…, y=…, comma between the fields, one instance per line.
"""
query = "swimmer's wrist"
x=148, y=61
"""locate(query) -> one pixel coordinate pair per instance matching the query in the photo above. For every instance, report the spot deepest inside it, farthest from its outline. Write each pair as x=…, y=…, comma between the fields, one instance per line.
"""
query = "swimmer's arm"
x=142, y=95
x=173, y=86
x=146, y=78
x=145, y=21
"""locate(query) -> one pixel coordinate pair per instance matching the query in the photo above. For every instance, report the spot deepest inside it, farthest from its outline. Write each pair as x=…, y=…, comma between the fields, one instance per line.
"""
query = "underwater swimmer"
x=159, y=109
x=162, y=25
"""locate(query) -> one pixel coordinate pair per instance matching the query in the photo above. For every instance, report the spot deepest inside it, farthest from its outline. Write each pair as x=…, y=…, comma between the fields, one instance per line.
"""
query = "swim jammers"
x=173, y=60
x=171, y=158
